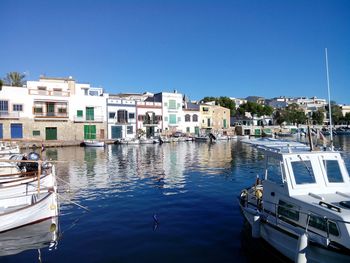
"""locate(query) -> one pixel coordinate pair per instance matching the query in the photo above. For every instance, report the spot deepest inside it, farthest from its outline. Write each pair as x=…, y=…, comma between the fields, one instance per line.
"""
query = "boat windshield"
x=333, y=171
x=303, y=172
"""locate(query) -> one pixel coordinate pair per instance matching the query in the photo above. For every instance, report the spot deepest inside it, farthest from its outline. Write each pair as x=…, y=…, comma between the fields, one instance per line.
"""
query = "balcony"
x=9, y=115
x=89, y=119
x=150, y=123
x=49, y=92
x=50, y=115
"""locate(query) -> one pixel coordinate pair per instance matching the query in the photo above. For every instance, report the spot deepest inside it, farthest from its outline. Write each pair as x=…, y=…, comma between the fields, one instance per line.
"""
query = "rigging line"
x=307, y=168
x=75, y=203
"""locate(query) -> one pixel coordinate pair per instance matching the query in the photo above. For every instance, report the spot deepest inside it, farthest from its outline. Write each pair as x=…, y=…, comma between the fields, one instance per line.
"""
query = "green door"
x=196, y=130
x=90, y=113
x=50, y=107
x=225, y=123
x=89, y=132
x=51, y=133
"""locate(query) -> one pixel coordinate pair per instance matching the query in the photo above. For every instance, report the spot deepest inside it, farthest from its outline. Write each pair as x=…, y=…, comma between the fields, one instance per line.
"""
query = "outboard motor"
x=30, y=166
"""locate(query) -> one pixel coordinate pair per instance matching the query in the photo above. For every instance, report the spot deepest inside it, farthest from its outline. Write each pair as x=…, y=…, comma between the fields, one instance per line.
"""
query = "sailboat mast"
x=329, y=100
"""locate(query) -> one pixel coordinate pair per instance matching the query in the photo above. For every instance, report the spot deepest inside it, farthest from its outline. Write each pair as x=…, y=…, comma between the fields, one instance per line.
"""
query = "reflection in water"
x=187, y=191
x=120, y=168
x=35, y=236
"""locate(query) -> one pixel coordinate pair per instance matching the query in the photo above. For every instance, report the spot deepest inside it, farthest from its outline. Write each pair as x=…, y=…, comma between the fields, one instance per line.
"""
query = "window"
x=36, y=133
x=205, y=109
x=38, y=110
x=274, y=171
x=111, y=115
x=172, y=118
x=129, y=130
x=321, y=224
x=195, y=117
x=79, y=113
x=41, y=88
x=93, y=92
x=303, y=172
x=131, y=115
x=17, y=107
x=4, y=105
x=187, y=129
x=62, y=110
x=288, y=211
x=333, y=171
x=142, y=117
x=172, y=104
x=122, y=116
x=187, y=117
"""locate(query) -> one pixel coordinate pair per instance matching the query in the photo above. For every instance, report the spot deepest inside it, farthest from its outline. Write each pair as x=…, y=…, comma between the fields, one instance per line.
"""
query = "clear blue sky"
x=200, y=48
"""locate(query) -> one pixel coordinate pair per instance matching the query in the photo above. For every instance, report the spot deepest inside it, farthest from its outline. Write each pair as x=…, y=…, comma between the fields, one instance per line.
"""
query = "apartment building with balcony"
x=121, y=117
x=52, y=109
x=149, y=117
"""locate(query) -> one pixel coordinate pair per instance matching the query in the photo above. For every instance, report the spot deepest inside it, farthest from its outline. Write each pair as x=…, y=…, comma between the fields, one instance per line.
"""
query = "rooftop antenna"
x=329, y=101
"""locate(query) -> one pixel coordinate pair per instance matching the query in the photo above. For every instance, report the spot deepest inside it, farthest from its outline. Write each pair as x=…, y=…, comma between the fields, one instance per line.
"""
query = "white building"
x=172, y=111
x=121, y=114
x=53, y=109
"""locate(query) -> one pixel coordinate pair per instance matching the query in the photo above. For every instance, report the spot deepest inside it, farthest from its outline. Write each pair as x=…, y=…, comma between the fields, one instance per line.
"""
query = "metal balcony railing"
x=50, y=115
x=9, y=115
x=88, y=118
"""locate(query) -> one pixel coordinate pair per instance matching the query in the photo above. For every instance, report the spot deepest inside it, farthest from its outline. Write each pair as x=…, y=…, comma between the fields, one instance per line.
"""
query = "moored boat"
x=301, y=206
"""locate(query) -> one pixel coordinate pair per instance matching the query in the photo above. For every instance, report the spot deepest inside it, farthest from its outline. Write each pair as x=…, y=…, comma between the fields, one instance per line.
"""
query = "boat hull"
x=287, y=243
x=22, y=211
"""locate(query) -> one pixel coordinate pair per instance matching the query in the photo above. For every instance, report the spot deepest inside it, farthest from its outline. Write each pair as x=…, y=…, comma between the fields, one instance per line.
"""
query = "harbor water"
x=174, y=202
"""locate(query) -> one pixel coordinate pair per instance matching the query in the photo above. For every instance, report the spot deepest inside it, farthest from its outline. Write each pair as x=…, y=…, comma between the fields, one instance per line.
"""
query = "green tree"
x=337, y=114
x=347, y=118
x=318, y=116
x=14, y=79
x=1, y=84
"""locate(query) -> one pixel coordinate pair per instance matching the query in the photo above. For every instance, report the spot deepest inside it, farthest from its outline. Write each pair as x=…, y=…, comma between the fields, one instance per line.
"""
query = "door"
x=225, y=123
x=90, y=115
x=51, y=133
x=1, y=132
x=196, y=130
x=116, y=132
x=102, y=134
x=89, y=132
x=50, y=109
x=16, y=131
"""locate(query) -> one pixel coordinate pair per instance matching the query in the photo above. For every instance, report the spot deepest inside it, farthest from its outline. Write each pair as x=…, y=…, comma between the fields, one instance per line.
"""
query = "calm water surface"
x=190, y=189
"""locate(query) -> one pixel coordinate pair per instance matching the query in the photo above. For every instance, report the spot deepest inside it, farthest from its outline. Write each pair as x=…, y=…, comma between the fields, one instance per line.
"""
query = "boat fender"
x=244, y=197
x=258, y=195
x=256, y=227
x=300, y=255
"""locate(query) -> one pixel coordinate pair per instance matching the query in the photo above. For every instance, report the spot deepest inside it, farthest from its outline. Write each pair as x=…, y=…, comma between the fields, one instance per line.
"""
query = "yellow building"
x=214, y=117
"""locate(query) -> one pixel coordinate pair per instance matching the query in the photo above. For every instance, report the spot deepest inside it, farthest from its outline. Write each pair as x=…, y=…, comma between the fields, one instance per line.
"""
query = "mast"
x=329, y=101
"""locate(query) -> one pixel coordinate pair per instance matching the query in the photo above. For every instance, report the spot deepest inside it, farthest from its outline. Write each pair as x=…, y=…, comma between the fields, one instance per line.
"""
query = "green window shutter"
x=51, y=133
x=36, y=133
x=90, y=113
x=172, y=104
x=89, y=132
x=79, y=113
x=172, y=118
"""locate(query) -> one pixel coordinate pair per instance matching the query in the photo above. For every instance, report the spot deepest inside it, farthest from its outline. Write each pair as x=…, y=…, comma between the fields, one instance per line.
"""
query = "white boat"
x=8, y=148
x=27, y=185
x=301, y=207
x=29, y=209
x=93, y=143
x=35, y=236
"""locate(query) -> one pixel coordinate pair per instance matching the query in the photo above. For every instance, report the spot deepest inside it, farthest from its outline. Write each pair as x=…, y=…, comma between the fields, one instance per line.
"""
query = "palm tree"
x=14, y=79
